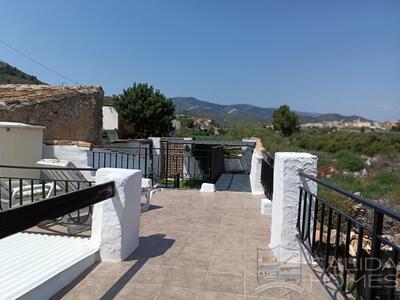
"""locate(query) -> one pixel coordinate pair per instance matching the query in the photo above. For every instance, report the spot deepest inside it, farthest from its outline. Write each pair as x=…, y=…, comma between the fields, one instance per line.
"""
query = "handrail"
x=46, y=179
x=46, y=168
x=18, y=219
x=370, y=203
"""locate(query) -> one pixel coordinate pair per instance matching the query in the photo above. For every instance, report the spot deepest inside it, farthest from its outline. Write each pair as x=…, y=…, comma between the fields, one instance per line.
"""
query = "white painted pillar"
x=286, y=200
x=255, y=173
x=156, y=156
x=115, y=225
x=188, y=163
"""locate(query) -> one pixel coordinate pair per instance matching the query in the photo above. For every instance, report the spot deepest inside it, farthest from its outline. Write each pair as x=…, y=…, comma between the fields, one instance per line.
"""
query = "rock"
x=352, y=248
x=396, y=238
x=368, y=161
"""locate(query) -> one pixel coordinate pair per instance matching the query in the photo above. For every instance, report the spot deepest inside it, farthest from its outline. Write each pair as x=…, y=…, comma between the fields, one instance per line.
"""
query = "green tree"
x=146, y=109
x=285, y=121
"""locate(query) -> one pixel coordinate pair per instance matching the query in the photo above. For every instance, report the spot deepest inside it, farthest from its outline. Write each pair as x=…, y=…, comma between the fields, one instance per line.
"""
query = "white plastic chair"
x=147, y=191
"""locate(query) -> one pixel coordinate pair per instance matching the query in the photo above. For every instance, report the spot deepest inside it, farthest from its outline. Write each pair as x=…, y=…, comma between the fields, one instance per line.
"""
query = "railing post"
x=176, y=181
x=374, y=265
x=166, y=165
x=285, y=204
x=155, y=156
x=210, y=168
x=145, y=162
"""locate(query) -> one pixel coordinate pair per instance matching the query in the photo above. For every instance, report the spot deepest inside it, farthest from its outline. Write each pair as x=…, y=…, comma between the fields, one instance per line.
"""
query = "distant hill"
x=244, y=113
x=10, y=74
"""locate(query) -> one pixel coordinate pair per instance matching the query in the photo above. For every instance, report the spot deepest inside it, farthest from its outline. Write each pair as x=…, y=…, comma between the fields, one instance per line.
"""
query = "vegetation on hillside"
x=10, y=74
x=192, y=126
x=360, y=162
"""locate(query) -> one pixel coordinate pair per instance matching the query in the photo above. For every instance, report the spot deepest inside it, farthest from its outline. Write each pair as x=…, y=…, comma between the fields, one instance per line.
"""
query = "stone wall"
x=68, y=113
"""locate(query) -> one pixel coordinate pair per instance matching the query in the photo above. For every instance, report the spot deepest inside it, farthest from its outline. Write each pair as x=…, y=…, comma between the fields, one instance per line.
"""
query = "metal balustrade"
x=22, y=191
x=267, y=175
x=26, y=216
x=171, y=164
x=327, y=232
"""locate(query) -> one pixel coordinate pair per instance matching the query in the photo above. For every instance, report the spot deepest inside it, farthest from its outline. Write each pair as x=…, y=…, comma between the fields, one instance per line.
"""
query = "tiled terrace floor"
x=192, y=246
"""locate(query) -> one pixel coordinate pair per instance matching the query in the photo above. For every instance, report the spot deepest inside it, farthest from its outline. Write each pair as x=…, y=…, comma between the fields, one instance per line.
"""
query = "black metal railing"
x=176, y=166
x=138, y=158
x=171, y=165
x=19, y=191
x=26, y=216
x=267, y=175
x=174, y=163
x=355, y=254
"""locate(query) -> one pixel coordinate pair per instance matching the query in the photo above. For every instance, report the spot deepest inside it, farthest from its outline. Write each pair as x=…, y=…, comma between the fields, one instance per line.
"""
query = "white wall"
x=20, y=145
x=79, y=156
x=110, y=118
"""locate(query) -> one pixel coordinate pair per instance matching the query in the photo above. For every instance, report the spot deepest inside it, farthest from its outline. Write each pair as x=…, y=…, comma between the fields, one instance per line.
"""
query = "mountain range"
x=10, y=74
x=225, y=114
x=245, y=113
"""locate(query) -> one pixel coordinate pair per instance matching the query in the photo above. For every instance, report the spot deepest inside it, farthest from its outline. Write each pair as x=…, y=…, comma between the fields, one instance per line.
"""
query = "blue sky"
x=317, y=56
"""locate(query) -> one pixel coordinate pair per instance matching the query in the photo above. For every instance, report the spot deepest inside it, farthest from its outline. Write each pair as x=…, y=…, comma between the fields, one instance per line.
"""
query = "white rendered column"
x=286, y=200
x=115, y=225
x=156, y=156
x=255, y=173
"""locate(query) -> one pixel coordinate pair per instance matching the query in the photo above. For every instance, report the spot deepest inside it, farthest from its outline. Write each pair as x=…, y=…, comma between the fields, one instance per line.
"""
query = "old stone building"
x=68, y=113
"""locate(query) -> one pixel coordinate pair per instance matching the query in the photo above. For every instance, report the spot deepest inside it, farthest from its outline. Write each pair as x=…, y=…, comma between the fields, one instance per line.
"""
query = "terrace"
x=190, y=243
x=192, y=246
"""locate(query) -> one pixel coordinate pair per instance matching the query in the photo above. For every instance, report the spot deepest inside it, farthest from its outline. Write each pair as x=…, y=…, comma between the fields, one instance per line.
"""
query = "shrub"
x=386, y=178
x=348, y=160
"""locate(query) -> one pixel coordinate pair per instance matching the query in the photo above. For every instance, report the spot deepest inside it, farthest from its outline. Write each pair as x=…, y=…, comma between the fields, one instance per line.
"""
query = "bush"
x=386, y=178
x=348, y=160
x=382, y=185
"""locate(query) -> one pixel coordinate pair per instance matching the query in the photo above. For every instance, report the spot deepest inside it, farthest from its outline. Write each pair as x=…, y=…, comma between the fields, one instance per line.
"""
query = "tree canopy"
x=146, y=109
x=285, y=121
